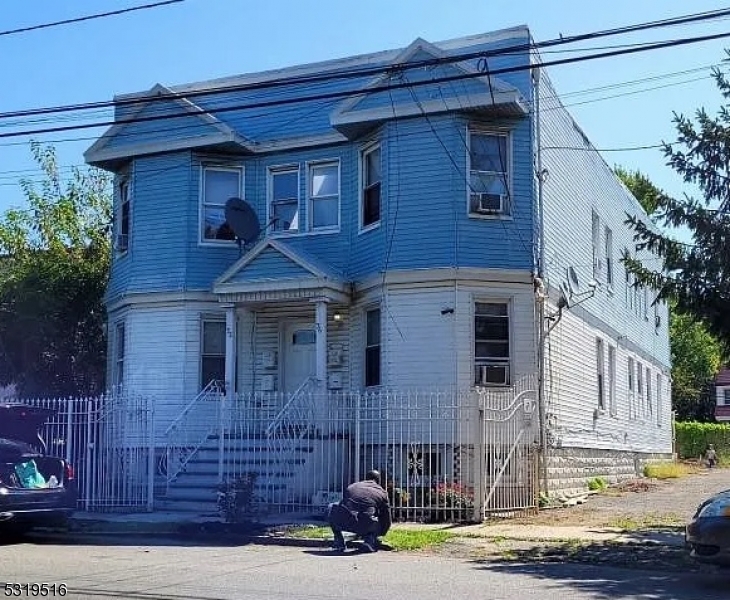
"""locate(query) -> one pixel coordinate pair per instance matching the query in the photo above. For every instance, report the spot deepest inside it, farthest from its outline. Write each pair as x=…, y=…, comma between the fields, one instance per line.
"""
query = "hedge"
x=693, y=438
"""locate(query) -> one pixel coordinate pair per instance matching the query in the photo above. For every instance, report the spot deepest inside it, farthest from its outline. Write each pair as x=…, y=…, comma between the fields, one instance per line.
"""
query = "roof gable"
x=139, y=131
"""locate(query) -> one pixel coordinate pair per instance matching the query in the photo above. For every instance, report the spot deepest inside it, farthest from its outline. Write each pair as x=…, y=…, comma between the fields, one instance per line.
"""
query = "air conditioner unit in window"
x=484, y=203
x=121, y=242
x=493, y=375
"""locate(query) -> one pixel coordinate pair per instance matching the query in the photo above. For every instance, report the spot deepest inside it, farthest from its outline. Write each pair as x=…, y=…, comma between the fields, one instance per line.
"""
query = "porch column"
x=321, y=347
x=231, y=330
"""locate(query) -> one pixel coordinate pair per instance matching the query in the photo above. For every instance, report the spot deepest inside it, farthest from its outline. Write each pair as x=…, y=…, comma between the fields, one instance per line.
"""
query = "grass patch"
x=666, y=470
x=398, y=539
x=631, y=524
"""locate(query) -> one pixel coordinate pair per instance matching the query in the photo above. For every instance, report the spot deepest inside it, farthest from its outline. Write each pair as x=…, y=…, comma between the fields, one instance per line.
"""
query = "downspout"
x=540, y=297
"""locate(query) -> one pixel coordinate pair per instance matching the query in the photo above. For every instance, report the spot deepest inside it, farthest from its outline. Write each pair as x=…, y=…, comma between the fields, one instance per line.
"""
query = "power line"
x=88, y=17
x=345, y=74
x=346, y=93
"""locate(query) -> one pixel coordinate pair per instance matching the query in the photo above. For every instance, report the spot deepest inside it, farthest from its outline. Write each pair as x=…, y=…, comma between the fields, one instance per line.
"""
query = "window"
x=284, y=199
x=612, y=380
x=600, y=373
x=649, y=399
x=324, y=195
x=488, y=174
x=726, y=396
x=639, y=385
x=123, y=231
x=219, y=185
x=596, y=243
x=609, y=257
x=213, y=352
x=372, y=347
x=371, y=177
x=645, y=292
x=631, y=385
x=119, y=349
x=491, y=343
x=629, y=290
x=659, y=399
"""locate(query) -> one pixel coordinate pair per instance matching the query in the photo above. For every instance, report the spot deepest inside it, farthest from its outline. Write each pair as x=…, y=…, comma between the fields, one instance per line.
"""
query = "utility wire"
x=379, y=88
x=377, y=70
x=88, y=17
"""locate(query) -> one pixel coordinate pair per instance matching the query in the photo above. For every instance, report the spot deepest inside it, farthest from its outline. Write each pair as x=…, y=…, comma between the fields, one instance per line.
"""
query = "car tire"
x=13, y=533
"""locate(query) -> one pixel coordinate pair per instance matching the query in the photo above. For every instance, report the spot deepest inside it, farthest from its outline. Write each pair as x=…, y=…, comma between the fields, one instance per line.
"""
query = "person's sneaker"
x=368, y=546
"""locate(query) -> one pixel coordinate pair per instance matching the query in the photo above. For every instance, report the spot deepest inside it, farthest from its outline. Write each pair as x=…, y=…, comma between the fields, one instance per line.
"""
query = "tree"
x=696, y=353
x=696, y=275
x=54, y=264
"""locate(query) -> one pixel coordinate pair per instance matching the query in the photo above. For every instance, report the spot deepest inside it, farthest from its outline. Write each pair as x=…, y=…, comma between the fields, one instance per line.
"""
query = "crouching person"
x=364, y=511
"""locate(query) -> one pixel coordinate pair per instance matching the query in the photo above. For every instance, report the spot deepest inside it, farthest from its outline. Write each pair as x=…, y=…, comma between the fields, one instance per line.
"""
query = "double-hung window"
x=324, y=196
x=124, y=222
x=372, y=347
x=608, y=241
x=601, y=373
x=218, y=186
x=284, y=199
x=612, y=380
x=371, y=177
x=212, y=351
x=631, y=385
x=596, y=244
x=639, y=385
x=119, y=350
x=489, y=168
x=491, y=343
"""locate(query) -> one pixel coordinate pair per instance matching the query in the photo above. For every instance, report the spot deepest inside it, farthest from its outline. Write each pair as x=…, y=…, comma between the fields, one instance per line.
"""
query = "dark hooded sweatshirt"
x=364, y=509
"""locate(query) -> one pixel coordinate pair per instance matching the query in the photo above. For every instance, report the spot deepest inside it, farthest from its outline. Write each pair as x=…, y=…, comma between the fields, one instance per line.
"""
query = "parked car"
x=708, y=534
x=35, y=489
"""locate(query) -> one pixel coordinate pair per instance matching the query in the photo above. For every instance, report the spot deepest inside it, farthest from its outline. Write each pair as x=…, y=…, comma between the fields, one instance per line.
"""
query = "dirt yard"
x=641, y=502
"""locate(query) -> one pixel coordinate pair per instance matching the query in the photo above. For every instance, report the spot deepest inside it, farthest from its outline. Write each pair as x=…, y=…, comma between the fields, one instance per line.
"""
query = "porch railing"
x=190, y=431
x=293, y=422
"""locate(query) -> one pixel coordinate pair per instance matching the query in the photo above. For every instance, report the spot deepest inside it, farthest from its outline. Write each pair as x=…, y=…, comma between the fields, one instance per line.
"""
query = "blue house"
x=431, y=218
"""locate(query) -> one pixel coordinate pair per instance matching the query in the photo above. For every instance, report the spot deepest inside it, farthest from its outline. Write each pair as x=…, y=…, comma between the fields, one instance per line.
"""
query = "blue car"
x=35, y=489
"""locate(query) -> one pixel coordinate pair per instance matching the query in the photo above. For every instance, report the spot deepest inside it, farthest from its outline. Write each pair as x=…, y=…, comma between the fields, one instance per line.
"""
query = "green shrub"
x=693, y=439
x=597, y=484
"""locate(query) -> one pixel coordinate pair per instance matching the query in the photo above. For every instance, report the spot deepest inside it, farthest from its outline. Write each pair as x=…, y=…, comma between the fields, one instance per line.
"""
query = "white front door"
x=300, y=356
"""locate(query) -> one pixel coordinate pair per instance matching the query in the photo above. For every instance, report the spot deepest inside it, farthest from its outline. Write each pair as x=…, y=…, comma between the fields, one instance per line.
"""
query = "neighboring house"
x=420, y=217
x=722, y=391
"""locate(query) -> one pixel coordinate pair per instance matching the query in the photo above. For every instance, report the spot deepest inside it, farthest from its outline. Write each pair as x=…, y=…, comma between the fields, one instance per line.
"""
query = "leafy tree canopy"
x=54, y=263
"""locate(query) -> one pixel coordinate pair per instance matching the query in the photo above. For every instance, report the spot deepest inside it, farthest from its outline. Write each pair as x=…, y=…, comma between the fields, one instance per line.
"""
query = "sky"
x=197, y=40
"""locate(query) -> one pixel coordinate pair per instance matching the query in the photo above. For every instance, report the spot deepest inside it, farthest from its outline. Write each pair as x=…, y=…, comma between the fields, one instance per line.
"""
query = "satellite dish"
x=564, y=300
x=573, y=282
x=242, y=219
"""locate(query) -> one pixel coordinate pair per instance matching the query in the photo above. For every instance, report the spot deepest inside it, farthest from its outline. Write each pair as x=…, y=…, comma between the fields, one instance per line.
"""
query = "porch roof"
x=272, y=270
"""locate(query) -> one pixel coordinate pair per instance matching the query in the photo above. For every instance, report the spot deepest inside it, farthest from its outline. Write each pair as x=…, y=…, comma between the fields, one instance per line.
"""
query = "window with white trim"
x=284, y=199
x=212, y=351
x=659, y=399
x=608, y=256
x=726, y=396
x=639, y=385
x=119, y=351
x=324, y=195
x=372, y=347
x=124, y=224
x=631, y=385
x=596, y=244
x=219, y=184
x=489, y=167
x=491, y=343
x=371, y=169
x=612, y=380
x=601, y=373
x=649, y=398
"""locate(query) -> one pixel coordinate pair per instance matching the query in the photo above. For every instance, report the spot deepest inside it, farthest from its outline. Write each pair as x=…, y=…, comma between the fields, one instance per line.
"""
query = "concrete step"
x=187, y=506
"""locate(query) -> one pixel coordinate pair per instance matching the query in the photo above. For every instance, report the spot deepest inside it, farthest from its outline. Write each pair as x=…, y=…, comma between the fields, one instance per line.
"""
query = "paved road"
x=172, y=571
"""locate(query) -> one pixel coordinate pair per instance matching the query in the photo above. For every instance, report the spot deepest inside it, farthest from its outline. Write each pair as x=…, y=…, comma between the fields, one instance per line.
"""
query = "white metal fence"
x=445, y=456
x=108, y=441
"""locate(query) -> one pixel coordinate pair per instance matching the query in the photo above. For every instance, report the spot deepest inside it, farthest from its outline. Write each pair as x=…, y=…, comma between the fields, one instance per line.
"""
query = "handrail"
x=182, y=439
x=281, y=415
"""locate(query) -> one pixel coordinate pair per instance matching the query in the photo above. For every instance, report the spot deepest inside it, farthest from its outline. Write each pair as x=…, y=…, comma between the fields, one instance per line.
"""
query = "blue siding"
x=270, y=264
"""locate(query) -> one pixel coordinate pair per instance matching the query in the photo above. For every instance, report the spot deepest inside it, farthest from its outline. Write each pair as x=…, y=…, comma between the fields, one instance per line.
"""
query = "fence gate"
x=510, y=430
x=108, y=440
